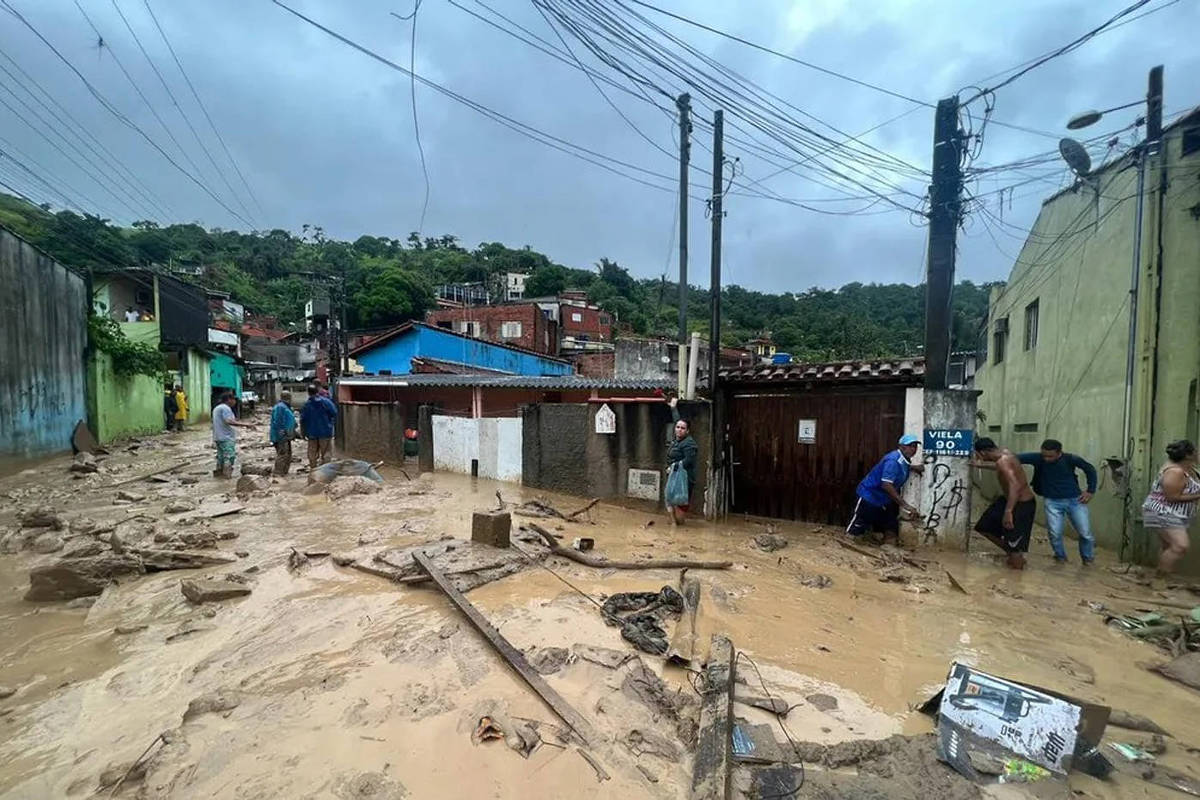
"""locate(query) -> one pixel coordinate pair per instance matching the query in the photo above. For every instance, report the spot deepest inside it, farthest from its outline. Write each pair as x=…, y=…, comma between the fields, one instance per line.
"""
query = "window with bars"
x=510, y=330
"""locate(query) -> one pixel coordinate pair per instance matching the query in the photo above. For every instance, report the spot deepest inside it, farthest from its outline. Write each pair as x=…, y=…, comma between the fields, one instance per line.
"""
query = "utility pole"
x=716, y=472
x=714, y=326
x=683, y=103
x=945, y=204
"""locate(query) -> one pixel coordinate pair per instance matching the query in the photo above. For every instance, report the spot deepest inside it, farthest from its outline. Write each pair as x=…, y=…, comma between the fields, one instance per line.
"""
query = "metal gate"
x=775, y=474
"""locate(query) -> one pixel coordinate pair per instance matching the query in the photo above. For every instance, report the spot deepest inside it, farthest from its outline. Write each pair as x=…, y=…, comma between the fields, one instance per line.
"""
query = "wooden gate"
x=777, y=475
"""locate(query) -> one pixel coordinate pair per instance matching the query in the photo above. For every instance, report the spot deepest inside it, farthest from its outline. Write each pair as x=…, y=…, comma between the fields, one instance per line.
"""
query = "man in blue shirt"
x=283, y=430
x=879, y=501
x=317, y=420
x=1055, y=480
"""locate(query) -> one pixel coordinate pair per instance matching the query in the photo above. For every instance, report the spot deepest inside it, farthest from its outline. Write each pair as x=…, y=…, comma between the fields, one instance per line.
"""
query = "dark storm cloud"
x=324, y=133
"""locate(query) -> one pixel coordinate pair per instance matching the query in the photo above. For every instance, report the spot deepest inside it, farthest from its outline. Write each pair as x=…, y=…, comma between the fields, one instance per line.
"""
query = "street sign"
x=606, y=420
x=807, y=431
x=949, y=441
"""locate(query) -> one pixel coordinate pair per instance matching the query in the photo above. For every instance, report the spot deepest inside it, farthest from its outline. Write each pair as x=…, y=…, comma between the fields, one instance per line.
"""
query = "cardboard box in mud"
x=983, y=717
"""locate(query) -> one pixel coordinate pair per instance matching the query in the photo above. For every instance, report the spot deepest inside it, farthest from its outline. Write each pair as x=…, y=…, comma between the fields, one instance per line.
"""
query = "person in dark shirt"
x=1055, y=480
x=682, y=450
x=318, y=419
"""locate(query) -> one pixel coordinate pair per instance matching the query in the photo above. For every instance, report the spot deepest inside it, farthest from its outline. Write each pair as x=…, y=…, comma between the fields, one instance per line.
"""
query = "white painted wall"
x=914, y=423
x=495, y=442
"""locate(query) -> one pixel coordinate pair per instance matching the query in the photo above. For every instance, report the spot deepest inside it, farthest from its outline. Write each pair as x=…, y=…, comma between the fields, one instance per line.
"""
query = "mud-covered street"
x=329, y=681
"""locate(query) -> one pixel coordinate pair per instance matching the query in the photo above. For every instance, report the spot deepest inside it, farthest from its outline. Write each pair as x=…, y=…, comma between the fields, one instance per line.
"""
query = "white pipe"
x=693, y=364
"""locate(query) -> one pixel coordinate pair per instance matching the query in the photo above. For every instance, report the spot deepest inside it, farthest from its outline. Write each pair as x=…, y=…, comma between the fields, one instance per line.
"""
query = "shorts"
x=226, y=453
x=1153, y=519
x=992, y=522
x=869, y=517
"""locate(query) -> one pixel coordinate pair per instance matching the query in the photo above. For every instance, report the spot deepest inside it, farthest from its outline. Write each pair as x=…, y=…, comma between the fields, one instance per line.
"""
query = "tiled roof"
x=897, y=370
x=546, y=382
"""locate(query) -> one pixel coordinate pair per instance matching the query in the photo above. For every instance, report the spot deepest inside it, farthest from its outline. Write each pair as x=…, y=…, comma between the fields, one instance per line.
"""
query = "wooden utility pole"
x=945, y=205
x=683, y=103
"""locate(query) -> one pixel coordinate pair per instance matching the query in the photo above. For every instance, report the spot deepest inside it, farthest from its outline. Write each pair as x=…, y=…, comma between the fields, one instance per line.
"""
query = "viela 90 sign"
x=949, y=441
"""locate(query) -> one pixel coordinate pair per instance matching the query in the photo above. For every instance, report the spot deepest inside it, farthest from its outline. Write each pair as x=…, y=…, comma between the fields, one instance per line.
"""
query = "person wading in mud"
x=681, y=451
x=317, y=420
x=879, y=502
x=1171, y=504
x=224, y=436
x=1054, y=479
x=283, y=431
x=1008, y=521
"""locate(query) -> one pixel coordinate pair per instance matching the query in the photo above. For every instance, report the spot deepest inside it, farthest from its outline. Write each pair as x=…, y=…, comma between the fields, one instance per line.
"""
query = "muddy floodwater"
x=326, y=681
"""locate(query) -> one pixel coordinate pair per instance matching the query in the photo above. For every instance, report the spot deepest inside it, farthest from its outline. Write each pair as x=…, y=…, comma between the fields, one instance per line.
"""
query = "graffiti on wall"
x=946, y=496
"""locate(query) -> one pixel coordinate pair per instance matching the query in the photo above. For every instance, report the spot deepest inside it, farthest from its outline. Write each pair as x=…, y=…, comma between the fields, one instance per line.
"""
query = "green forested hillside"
x=391, y=280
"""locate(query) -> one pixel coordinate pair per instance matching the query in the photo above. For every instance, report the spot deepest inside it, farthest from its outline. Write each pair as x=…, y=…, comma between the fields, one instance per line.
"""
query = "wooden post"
x=711, y=770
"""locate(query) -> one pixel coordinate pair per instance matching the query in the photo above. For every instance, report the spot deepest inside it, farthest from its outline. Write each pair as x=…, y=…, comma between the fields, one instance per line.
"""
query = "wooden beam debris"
x=514, y=657
x=600, y=562
x=683, y=643
x=712, y=767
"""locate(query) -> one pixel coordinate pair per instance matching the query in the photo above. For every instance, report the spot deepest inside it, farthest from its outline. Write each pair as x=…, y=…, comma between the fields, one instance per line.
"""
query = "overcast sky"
x=324, y=134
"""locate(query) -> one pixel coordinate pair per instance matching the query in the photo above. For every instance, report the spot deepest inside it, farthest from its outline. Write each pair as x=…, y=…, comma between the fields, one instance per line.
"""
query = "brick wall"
x=595, y=365
x=537, y=333
x=590, y=322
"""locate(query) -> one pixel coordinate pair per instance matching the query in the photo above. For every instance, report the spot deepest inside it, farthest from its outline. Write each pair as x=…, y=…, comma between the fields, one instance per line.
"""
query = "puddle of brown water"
x=332, y=661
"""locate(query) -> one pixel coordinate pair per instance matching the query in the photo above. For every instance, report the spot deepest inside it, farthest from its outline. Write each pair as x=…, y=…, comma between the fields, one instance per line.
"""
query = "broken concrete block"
x=207, y=591
x=216, y=702
x=132, y=497
x=48, y=543
x=252, y=483
x=491, y=527
x=40, y=517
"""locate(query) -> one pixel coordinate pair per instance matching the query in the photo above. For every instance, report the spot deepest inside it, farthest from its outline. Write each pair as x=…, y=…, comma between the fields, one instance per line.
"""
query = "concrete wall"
x=494, y=444
x=371, y=431
x=1071, y=384
x=43, y=332
x=643, y=359
x=121, y=406
x=945, y=487
x=562, y=451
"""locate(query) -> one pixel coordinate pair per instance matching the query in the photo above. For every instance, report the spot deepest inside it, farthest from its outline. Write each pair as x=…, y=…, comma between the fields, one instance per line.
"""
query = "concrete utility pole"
x=684, y=104
x=714, y=326
x=945, y=203
x=716, y=471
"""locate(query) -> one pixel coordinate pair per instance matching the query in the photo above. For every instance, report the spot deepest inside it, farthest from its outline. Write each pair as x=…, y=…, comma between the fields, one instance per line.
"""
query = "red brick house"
x=518, y=324
x=583, y=324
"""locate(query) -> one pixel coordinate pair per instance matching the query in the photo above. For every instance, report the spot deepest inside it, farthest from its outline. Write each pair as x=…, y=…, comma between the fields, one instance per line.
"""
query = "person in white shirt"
x=224, y=436
x=130, y=314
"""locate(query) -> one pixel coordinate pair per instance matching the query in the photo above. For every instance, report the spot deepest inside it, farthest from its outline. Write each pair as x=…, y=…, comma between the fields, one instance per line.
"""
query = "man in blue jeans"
x=1054, y=479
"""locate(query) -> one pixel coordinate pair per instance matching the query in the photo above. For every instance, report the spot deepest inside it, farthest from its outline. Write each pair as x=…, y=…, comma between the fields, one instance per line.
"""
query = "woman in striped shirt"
x=1171, y=504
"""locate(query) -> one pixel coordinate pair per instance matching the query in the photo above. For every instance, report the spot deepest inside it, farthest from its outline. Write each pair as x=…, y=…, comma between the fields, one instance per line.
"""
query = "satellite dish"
x=1083, y=120
x=1076, y=156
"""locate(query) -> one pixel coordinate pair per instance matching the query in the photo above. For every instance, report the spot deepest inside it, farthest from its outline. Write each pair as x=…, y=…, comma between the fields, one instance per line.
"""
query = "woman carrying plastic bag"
x=681, y=470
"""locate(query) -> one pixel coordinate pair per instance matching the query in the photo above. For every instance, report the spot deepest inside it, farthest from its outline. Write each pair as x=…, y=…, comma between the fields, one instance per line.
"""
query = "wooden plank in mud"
x=514, y=657
x=712, y=767
x=683, y=643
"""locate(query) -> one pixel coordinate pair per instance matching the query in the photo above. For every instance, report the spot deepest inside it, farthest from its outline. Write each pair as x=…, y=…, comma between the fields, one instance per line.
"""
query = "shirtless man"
x=1008, y=521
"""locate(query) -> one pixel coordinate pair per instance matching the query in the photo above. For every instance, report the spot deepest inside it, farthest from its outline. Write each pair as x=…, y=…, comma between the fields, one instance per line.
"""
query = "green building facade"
x=1053, y=359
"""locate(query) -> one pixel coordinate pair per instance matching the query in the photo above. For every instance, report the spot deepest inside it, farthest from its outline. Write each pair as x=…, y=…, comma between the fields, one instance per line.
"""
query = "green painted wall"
x=225, y=372
x=1071, y=384
x=198, y=385
x=121, y=406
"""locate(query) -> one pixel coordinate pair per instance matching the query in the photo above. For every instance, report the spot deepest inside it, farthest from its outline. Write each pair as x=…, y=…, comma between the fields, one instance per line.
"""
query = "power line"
x=412, y=87
x=195, y=94
x=187, y=120
x=524, y=129
x=1074, y=44
x=120, y=65
x=110, y=108
x=85, y=137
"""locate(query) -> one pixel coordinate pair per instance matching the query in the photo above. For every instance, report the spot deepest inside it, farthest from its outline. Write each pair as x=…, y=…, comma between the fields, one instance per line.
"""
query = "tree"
x=391, y=295
x=546, y=281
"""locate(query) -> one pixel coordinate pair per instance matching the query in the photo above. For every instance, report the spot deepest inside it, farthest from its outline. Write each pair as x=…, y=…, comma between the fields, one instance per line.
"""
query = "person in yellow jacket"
x=181, y=407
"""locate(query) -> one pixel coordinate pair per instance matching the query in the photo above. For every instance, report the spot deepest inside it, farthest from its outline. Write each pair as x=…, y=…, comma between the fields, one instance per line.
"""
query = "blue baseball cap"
x=908, y=438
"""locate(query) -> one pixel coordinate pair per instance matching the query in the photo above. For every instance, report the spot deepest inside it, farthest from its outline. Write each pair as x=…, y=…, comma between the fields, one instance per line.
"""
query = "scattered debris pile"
x=640, y=617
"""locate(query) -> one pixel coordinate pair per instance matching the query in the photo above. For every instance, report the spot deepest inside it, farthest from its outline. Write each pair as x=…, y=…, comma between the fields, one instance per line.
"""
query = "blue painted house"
x=448, y=351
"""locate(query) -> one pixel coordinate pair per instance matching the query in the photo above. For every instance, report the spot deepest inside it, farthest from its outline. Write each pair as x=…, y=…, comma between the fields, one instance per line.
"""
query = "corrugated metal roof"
x=405, y=327
x=546, y=382
x=897, y=370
